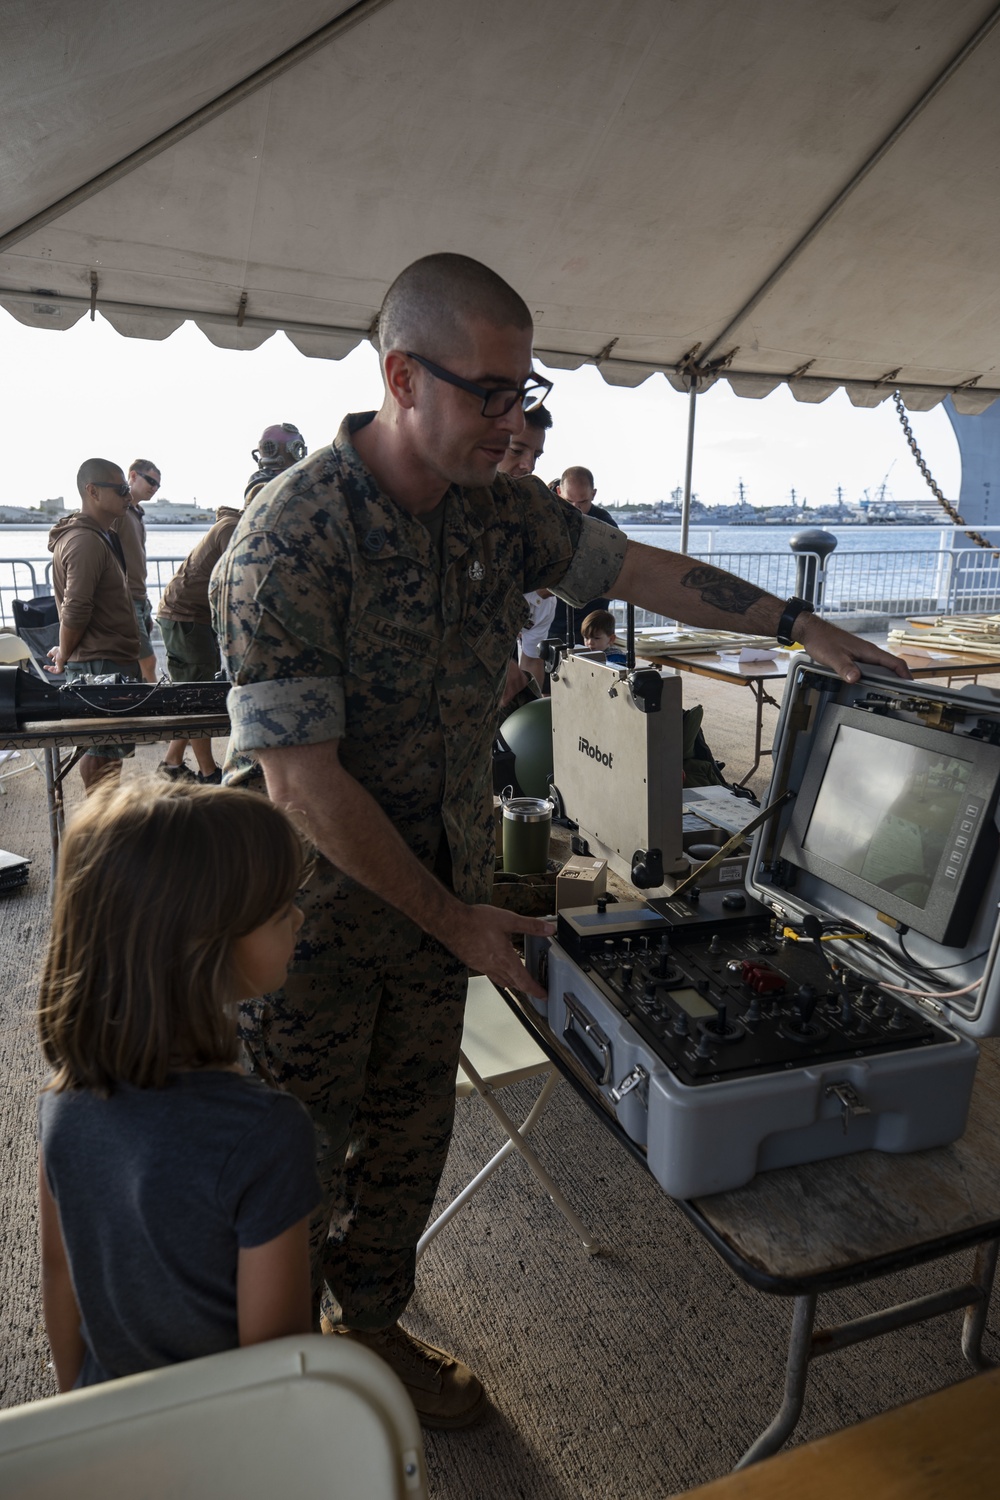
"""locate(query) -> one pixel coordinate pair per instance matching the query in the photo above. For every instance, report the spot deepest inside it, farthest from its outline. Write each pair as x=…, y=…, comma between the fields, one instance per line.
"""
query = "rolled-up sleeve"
x=575, y=556
x=597, y=561
x=287, y=711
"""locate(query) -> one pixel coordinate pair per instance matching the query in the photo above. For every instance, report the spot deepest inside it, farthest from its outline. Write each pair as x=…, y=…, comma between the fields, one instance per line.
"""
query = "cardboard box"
x=580, y=881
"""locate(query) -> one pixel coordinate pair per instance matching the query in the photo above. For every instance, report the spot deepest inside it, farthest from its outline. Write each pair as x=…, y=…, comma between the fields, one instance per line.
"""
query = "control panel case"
x=829, y=1006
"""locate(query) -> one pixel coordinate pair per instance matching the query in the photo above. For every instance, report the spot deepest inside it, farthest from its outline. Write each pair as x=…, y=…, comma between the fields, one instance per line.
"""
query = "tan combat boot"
x=444, y=1390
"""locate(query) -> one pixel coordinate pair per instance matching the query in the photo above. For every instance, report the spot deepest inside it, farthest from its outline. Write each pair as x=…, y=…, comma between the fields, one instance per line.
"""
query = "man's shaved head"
x=430, y=305
x=98, y=471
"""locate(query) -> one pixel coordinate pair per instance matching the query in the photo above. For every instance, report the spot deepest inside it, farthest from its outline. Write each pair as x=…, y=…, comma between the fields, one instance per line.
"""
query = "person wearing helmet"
x=281, y=445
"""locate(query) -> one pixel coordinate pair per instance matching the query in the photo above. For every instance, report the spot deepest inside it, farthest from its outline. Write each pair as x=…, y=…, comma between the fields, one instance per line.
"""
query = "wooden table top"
x=801, y=1226
x=711, y=664
x=942, y=1447
x=947, y=664
x=113, y=730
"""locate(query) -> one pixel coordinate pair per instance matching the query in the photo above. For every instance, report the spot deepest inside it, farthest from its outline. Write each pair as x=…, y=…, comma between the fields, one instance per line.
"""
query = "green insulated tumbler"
x=527, y=823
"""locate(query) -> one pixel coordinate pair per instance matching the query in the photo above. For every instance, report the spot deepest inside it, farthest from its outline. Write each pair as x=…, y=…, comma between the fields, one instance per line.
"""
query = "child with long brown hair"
x=174, y=1190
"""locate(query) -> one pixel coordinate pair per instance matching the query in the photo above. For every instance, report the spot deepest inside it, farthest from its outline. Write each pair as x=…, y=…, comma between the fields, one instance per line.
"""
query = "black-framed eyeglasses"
x=497, y=400
x=154, y=484
x=105, y=484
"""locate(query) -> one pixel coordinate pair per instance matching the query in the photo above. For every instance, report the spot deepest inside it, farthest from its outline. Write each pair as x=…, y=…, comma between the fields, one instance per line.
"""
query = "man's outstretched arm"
x=346, y=824
x=668, y=583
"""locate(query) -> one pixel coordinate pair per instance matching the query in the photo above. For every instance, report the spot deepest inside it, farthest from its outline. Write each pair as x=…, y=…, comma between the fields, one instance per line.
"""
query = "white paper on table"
x=748, y=653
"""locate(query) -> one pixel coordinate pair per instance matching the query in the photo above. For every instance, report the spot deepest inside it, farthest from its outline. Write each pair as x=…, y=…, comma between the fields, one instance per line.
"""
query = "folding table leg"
x=515, y=1142
x=974, y=1322
x=796, y=1375
x=53, y=798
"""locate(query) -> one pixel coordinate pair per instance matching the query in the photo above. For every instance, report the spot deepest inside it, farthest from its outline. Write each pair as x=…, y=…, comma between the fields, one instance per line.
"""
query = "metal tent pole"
x=686, y=503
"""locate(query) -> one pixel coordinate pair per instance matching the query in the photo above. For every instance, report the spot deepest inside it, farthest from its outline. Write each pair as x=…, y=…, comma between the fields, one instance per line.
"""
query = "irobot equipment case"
x=830, y=1006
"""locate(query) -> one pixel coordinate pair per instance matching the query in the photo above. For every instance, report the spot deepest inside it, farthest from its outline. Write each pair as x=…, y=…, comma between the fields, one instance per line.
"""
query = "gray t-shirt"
x=157, y=1191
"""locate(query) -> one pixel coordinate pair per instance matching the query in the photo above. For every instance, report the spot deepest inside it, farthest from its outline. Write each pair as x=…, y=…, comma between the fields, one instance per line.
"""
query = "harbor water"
x=177, y=541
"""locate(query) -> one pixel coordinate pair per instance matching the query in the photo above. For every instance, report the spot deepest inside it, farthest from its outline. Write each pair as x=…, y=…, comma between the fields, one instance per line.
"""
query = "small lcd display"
x=693, y=1004
x=614, y=918
x=885, y=811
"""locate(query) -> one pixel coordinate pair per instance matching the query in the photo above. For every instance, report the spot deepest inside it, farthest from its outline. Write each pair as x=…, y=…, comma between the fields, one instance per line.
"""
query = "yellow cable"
x=829, y=937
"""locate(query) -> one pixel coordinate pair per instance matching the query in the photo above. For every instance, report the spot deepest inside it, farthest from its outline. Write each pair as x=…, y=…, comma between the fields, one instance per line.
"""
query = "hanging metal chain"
x=935, y=488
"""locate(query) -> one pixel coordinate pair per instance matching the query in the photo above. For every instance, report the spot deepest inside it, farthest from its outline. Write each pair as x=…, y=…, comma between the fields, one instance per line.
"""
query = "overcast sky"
x=197, y=411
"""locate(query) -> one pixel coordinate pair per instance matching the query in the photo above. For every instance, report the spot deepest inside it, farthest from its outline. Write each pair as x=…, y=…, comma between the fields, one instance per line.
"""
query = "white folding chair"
x=299, y=1417
x=498, y=1051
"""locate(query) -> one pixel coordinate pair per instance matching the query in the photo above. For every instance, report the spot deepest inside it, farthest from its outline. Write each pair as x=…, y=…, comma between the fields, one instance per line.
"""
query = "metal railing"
x=955, y=581
x=952, y=581
x=26, y=577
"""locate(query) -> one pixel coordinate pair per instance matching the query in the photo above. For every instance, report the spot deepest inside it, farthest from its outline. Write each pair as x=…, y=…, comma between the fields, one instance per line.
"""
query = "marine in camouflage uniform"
x=341, y=618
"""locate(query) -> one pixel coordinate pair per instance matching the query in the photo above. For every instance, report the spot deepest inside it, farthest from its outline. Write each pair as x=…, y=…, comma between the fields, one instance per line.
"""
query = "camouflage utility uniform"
x=341, y=618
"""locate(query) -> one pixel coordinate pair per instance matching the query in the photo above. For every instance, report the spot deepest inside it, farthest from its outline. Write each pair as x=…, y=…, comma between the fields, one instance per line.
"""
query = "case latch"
x=637, y=1079
x=850, y=1102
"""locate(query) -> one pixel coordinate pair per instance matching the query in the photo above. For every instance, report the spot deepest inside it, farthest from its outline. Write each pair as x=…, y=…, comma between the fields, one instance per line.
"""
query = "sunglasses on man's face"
x=154, y=484
x=119, y=489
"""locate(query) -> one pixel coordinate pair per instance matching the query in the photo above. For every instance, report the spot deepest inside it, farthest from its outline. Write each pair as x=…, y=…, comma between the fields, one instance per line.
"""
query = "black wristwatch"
x=786, y=625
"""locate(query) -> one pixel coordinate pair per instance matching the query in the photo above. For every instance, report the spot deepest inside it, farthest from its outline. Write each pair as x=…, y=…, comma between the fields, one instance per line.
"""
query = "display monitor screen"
x=887, y=813
x=900, y=816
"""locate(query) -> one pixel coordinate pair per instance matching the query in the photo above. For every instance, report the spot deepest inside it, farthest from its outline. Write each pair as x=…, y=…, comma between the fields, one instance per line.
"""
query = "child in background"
x=174, y=1190
x=598, y=631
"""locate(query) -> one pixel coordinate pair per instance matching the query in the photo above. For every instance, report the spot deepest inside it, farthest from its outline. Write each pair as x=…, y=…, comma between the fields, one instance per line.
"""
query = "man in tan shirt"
x=98, y=633
x=143, y=483
x=185, y=621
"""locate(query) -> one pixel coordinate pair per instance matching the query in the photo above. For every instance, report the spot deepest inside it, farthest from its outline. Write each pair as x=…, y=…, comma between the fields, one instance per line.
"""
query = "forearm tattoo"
x=734, y=595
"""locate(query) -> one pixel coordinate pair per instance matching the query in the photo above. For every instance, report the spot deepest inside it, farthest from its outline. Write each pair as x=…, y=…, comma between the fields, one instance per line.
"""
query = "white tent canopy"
x=770, y=191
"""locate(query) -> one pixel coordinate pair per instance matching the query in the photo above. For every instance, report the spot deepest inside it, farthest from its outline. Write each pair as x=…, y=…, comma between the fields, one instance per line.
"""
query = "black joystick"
x=715, y=945
x=721, y=1023
x=898, y=1021
x=680, y=1024
x=602, y=904
x=881, y=1009
x=753, y=1009
x=627, y=968
x=805, y=1001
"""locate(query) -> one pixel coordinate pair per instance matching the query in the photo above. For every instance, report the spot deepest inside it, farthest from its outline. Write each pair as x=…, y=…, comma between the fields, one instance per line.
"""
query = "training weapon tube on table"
x=25, y=699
